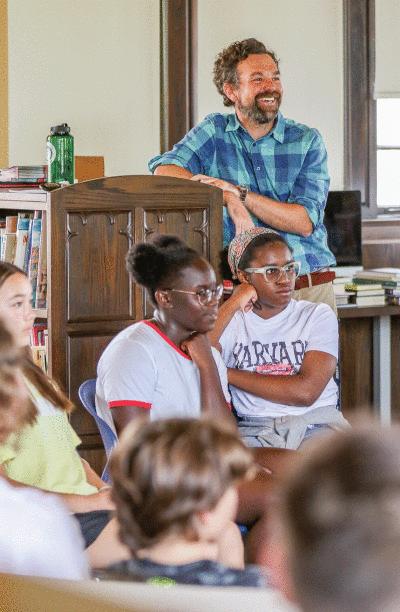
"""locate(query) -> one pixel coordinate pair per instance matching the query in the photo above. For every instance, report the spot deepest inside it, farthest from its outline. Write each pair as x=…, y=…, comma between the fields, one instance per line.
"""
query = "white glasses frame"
x=208, y=294
x=288, y=269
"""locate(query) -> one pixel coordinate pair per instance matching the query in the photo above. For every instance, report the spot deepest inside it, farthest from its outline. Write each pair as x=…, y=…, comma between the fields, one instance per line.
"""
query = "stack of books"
x=23, y=177
x=341, y=295
x=366, y=295
x=39, y=343
x=23, y=243
x=389, y=278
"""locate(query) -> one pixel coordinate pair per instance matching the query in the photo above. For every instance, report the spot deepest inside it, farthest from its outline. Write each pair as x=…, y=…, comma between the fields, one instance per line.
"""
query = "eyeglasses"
x=273, y=273
x=205, y=296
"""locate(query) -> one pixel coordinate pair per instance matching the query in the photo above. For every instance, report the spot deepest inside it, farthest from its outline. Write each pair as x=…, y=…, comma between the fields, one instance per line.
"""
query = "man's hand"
x=238, y=213
x=224, y=185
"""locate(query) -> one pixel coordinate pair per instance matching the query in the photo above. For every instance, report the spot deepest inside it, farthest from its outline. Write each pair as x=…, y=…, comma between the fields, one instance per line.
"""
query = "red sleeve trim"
x=229, y=405
x=129, y=403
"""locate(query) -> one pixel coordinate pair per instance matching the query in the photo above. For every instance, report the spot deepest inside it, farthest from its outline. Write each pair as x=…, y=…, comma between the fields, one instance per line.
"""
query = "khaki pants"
x=320, y=293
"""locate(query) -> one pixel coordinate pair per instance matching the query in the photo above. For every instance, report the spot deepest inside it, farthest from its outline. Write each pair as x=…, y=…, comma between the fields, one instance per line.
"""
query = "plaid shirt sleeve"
x=312, y=183
x=189, y=153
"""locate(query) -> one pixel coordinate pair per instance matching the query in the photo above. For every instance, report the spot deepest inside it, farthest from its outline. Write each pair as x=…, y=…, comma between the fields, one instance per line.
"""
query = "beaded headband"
x=239, y=244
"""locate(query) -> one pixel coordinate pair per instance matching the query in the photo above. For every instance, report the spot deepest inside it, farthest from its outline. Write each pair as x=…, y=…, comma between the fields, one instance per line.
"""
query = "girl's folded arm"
x=300, y=389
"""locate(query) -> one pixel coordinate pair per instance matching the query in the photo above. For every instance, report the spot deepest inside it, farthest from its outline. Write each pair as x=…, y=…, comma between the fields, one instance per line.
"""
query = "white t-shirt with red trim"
x=142, y=367
x=277, y=346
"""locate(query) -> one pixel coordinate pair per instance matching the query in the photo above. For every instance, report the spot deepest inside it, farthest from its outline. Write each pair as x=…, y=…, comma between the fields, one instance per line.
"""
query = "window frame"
x=359, y=104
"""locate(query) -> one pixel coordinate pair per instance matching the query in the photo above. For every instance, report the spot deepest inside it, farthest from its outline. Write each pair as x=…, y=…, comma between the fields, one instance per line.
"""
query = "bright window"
x=388, y=153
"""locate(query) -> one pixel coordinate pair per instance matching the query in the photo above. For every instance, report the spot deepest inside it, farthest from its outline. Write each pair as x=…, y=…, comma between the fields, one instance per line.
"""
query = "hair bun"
x=146, y=263
x=167, y=242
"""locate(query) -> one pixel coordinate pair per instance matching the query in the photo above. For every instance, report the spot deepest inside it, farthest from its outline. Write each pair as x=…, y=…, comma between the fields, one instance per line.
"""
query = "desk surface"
x=352, y=312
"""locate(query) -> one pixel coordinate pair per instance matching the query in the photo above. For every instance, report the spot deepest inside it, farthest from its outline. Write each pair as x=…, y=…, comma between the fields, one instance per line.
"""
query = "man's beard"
x=257, y=114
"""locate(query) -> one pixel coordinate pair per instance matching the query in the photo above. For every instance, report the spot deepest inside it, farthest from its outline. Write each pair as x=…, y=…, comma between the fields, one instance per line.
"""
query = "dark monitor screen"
x=343, y=225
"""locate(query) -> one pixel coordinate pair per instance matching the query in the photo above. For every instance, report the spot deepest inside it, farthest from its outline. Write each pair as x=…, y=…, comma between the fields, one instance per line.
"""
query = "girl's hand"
x=198, y=348
x=246, y=296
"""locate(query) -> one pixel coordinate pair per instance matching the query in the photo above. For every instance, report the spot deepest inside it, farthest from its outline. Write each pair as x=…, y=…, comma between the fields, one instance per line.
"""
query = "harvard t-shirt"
x=277, y=346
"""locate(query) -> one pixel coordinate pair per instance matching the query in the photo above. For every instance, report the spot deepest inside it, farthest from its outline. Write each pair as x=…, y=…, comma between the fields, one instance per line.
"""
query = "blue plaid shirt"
x=288, y=165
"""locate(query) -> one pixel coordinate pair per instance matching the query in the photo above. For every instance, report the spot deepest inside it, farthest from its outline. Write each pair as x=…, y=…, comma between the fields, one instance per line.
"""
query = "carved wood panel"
x=97, y=283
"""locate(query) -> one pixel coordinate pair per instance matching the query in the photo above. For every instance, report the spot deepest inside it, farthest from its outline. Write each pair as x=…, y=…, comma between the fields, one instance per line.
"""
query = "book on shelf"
x=368, y=300
x=342, y=280
x=23, y=173
x=22, y=238
x=365, y=290
x=39, y=357
x=2, y=232
x=28, y=248
x=388, y=272
x=38, y=334
x=19, y=185
x=11, y=224
x=363, y=280
x=39, y=345
x=385, y=274
x=41, y=283
x=34, y=254
x=8, y=245
x=9, y=239
x=342, y=299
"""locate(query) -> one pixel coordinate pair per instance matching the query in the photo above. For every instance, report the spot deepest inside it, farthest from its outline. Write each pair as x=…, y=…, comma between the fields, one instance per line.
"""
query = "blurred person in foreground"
x=336, y=532
x=175, y=489
x=37, y=536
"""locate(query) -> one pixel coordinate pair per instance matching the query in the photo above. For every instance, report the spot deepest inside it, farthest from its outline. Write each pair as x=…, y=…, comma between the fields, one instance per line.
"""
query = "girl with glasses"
x=165, y=367
x=281, y=354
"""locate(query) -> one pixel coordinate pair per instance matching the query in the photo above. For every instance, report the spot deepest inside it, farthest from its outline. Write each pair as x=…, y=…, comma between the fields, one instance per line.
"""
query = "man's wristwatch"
x=243, y=191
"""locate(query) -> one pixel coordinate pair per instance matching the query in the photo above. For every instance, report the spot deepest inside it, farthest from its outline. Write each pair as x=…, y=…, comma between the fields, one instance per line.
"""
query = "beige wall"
x=93, y=64
x=307, y=37
x=3, y=85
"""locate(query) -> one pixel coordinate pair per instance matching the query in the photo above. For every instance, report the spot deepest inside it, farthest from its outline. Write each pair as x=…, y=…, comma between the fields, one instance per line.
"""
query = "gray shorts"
x=290, y=431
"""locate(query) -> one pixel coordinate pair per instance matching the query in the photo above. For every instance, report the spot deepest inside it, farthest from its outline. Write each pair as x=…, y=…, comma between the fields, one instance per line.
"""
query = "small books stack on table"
x=341, y=296
x=366, y=295
x=389, y=278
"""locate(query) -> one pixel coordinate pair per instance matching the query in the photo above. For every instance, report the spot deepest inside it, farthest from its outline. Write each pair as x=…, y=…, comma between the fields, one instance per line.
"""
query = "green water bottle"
x=60, y=154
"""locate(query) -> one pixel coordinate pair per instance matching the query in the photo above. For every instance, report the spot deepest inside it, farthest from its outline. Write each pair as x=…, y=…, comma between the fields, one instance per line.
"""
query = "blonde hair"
x=166, y=471
x=10, y=362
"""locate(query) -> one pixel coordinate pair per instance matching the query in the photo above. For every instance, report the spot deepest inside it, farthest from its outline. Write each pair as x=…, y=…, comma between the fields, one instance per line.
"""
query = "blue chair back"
x=87, y=393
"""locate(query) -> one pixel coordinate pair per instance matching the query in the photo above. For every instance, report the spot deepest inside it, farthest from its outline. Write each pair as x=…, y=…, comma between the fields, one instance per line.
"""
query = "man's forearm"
x=292, y=218
x=172, y=170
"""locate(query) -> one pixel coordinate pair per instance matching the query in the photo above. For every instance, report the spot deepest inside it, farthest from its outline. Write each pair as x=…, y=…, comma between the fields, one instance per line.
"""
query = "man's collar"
x=277, y=132
x=233, y=123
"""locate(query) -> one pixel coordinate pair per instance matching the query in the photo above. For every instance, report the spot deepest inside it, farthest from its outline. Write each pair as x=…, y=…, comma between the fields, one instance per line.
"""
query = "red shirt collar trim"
x=164, y=337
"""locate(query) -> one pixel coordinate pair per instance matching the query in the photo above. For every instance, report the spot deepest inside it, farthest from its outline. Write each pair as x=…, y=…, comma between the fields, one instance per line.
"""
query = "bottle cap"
x=60, y=129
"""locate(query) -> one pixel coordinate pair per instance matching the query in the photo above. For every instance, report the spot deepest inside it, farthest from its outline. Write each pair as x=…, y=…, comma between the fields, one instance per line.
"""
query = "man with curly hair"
x=272, y=170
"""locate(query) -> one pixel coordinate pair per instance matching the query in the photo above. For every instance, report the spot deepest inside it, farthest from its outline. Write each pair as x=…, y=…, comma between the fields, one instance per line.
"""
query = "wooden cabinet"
x=91, y=226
